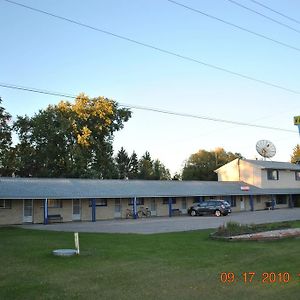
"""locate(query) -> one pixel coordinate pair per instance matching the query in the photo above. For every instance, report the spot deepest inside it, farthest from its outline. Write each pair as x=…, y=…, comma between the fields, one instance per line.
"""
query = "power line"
x=275, y=11
x=234, y=25
x=264, y=16
x=35, y=90
x=212, y=66
x=145, y=108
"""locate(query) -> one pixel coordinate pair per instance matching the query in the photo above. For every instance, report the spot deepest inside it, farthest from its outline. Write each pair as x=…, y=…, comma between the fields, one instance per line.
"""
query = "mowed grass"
x=184, y=265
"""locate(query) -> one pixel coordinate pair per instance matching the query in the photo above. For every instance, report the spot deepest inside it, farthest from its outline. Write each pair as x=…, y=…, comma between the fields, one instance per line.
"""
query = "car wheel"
x=217, y=213
x=193, y=213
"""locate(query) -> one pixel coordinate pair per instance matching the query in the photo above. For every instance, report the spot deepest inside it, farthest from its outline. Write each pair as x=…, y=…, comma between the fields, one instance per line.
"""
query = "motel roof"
x=266, y=164
x=63, y=188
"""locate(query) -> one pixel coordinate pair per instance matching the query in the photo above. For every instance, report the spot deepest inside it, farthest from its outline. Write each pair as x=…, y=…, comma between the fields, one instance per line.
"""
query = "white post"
x=76, y=237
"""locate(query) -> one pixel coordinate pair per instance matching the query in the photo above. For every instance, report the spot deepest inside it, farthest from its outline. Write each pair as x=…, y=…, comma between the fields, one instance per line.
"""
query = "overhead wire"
x=264, y=16
x=146, y=108
x=275, y=11
x=161, y=50
x=233, y=25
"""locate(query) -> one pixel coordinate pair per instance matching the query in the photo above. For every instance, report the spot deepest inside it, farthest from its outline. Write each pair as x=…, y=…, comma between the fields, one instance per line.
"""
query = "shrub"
x=232, y=228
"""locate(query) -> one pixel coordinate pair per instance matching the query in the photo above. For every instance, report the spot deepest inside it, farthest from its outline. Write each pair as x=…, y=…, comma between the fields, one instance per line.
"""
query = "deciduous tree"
x=6, y=151
x=201, y=165
x=70, y=139
x=295, y=158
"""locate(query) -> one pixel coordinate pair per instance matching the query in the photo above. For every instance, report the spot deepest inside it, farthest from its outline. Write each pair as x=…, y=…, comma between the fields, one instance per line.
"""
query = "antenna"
x=265, y=148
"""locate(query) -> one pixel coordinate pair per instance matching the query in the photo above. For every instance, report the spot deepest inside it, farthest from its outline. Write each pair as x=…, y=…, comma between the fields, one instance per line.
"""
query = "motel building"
x=248, y=185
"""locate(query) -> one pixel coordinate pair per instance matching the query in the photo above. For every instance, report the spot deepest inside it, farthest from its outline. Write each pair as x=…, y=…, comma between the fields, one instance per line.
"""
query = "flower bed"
x=237, y=231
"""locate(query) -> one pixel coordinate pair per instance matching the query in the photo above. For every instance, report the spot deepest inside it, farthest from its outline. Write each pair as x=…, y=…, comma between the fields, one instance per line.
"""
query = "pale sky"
x=46, y=53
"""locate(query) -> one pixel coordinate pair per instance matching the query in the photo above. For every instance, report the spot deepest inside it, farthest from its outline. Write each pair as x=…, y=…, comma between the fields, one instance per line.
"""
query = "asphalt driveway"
x=174, y=224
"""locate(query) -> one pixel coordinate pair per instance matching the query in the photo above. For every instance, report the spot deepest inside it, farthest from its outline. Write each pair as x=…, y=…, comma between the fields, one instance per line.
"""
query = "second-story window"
x=273, y=174
x=297, y=175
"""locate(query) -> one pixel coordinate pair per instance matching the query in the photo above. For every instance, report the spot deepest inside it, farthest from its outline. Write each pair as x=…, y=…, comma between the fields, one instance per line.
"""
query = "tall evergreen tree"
x=146, y=166
x=133, y=166
x=153, y=170
x=160, y=172
x=123, y=161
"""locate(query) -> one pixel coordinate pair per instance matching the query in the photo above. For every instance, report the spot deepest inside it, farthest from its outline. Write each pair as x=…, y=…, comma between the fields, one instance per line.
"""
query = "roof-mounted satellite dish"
x=265, y=148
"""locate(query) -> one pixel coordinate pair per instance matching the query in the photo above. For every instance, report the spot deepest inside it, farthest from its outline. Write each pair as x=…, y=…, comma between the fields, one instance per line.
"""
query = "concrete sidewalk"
x=174, y=224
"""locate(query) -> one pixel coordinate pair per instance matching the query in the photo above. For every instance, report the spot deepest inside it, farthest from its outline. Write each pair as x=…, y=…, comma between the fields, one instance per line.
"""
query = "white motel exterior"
x=247, y=184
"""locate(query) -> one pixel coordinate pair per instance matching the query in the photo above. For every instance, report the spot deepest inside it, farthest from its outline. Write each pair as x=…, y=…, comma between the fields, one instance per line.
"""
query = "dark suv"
x=213, y=207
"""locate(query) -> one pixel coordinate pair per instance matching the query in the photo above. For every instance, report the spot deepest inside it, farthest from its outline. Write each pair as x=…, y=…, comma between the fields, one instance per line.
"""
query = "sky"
x=40, y=51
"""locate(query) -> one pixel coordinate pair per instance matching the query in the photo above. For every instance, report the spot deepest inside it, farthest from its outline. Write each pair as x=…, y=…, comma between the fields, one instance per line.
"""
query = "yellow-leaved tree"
x=70, y=139
x=295, y=158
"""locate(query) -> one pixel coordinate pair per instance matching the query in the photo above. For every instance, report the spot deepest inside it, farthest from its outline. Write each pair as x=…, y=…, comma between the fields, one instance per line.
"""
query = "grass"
x=184, y=265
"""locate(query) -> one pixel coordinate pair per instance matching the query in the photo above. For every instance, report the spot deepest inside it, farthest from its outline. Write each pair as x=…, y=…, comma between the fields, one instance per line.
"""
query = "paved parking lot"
x=174, y=224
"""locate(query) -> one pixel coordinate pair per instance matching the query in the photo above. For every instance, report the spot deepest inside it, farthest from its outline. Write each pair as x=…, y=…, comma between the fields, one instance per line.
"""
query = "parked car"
x=213, y=207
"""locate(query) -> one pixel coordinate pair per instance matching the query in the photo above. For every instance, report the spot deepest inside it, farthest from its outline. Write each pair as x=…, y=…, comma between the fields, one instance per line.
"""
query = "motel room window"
x=258, y=199
x=197, y=199
x=297, y=175
x=153, y=205
x=139, y=201
x=183, y=203
x=99, y=202
x=232, y=201
x=54, y=203
x=166, y=201
x=118, y=207
x=281, y=199
x=4, y=203
x=273, y=174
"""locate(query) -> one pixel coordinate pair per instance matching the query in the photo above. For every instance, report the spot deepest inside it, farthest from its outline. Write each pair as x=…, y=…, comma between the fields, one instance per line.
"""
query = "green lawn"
x=184, y=265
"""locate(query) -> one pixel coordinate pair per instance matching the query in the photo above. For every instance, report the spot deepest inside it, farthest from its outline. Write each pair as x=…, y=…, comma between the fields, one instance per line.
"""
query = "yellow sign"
x=297, y=120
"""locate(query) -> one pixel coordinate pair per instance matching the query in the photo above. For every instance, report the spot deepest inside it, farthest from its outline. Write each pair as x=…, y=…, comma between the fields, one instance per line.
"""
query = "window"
x=258, y=199
x=211, y=203
x=166, y=201
x=152, y=205
x=99, y=202
x=5, y=203
x=297, y=175
x=232, y=201
x=118, y=205
x=183, y=203
x=54, y=203
x=198, y=199
x=273, y=174
x=281, y=199
x=139, y=201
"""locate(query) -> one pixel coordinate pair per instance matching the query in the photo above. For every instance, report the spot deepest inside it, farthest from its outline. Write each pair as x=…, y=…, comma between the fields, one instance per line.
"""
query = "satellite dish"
x=265, y=148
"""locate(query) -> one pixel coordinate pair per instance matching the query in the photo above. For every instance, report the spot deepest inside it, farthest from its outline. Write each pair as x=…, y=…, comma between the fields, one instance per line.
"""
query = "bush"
x=233, y=228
